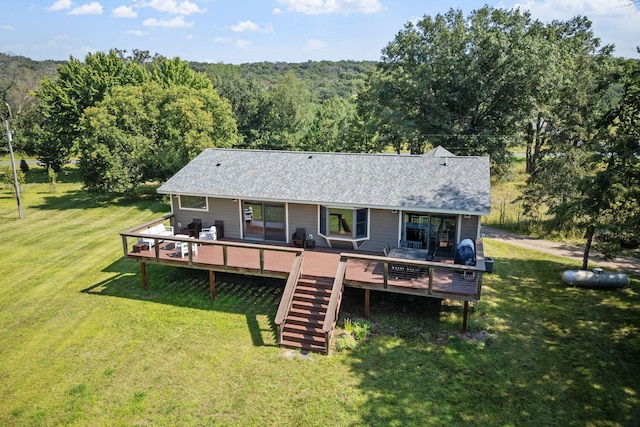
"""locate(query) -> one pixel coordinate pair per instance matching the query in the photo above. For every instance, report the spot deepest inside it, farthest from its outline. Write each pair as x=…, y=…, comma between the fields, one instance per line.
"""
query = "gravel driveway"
x=628, y=265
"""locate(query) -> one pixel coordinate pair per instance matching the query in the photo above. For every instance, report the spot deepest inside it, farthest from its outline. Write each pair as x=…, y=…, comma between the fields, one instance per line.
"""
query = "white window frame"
x=206, y=204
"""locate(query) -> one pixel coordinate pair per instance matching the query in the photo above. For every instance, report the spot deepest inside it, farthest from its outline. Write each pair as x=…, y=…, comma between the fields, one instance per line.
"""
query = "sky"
x=243, y=31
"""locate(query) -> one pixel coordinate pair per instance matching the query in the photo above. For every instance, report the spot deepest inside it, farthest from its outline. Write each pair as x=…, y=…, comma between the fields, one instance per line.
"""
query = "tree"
x=591, y=182
x=61, y=101
x=329, y=129
x=566, y=47
x=149, y=132
x=464, y=83
x=284, y=114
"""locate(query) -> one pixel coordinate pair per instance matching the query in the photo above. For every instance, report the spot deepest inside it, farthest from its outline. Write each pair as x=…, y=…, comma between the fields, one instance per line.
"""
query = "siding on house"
x=383, y=226
x=305, y=216
x=468, y=227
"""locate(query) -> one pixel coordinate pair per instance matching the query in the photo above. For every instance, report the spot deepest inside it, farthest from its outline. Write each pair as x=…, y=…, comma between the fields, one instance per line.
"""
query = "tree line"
x=480, y=84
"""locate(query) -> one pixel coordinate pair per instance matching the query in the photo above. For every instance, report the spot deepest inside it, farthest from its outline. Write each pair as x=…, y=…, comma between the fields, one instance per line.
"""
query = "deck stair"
x=303, y=327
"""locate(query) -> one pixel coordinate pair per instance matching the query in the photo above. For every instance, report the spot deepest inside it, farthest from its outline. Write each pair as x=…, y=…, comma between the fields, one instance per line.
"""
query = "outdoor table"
x=409, y=253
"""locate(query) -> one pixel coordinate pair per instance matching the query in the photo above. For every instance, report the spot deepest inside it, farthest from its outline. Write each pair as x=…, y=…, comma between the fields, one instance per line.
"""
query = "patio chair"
x=195, y=227
x=298, y=238
x=414, y=244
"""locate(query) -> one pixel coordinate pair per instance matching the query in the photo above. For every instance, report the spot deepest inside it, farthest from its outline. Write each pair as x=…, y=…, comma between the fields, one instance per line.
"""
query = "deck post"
x=125, y=246
x=143, y=271
x=465, y=313
x=261, y=261
x=430, y=280
x=224, y=256
x=367, y=301
x=385, y=274
x=212, y=284
x=156, y=247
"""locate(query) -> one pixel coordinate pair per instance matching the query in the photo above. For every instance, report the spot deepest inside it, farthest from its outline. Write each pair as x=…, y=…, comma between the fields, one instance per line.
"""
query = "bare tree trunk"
x=589, y=235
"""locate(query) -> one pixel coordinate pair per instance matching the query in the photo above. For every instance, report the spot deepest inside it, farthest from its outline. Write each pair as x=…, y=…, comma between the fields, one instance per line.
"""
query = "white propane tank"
x=595, y=278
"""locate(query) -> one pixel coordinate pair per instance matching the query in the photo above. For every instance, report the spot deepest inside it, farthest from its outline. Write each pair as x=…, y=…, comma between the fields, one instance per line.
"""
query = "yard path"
x=628, y=265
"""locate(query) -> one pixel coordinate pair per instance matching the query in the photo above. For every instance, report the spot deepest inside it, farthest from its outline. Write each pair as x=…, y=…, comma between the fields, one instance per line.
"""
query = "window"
x=194, y=203
x=344, y=223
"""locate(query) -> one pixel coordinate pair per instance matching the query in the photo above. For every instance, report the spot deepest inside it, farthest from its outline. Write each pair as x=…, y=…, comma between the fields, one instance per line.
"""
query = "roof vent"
x=218, y=164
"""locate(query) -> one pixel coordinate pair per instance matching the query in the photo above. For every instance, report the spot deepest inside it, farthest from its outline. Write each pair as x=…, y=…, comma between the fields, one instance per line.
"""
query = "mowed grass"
x=81, y=343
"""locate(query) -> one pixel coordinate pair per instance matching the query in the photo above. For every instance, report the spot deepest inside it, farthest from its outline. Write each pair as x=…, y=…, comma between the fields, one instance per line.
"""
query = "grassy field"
x=82, y=344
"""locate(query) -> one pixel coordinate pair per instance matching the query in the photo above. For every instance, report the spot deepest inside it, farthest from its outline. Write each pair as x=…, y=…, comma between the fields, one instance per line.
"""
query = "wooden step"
x=311, y=297
x=307, y=331
x=312, y=289
x=310, y=305
x=298, y=323
x=321, y=281
x=307, y=313
x=303, y=346
x=305, y=320
x=302, y=337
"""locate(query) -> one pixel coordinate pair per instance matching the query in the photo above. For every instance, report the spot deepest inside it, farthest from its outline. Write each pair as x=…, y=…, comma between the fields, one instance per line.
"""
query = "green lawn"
x=82, y=344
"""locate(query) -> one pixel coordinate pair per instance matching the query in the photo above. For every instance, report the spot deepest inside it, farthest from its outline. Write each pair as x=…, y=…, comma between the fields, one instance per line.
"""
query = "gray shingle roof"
x=388, y=181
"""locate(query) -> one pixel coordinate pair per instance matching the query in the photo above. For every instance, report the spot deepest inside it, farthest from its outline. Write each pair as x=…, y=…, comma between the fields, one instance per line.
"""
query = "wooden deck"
x=365, y=271
x=333, y=268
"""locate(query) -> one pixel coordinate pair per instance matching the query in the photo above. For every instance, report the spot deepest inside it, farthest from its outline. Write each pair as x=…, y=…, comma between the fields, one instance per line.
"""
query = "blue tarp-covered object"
x=464, y=253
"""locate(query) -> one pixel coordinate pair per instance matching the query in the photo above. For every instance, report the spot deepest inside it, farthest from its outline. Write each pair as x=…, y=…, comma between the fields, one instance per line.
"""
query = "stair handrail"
x=335, y=299
x=287, y=294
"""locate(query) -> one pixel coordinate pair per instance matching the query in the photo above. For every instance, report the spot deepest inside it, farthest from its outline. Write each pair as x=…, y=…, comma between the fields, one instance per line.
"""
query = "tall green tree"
x=565, y=60
x=148, y=132
x=591, y=181
x=61, y=101
x=464, y=83
x=284, y=113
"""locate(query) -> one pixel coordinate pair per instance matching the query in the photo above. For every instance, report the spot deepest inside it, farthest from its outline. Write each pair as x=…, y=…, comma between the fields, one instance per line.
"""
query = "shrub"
x=24, y=166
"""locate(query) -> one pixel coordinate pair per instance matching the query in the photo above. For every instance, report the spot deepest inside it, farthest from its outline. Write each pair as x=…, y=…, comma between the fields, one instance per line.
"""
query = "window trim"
x=324, y=228
x=206, y=203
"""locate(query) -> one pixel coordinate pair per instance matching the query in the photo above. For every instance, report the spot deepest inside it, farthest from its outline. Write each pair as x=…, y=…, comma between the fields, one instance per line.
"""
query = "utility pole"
x=13, y=162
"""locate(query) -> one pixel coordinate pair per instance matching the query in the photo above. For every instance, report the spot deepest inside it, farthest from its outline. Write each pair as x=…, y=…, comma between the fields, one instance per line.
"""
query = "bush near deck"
x=83, y=344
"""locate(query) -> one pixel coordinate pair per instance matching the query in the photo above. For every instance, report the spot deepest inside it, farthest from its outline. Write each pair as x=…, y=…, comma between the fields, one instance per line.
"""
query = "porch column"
x=143, y=272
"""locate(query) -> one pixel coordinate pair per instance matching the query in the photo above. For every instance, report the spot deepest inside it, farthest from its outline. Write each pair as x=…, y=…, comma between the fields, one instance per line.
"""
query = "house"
x=360, y=202
x=324, y=221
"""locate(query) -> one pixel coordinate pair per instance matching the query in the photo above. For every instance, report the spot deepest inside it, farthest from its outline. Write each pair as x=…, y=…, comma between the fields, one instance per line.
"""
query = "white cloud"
x=614, y=21
x=548, y=10
x=138, y=33
x=277, y=11
x=315, y=44
x=177, y=22
x=345, y=7
x=93, y=8
x=243, y=26
x=8, y=28
x=60, y=5
x=124, y=12
x=184, y=7
x=243, y=44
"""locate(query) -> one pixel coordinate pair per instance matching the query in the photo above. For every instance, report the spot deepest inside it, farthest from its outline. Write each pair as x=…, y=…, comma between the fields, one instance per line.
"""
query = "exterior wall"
x=383, y=229
x=383, y=223
x=219, y=210
x=305, y=216
x=469, y=227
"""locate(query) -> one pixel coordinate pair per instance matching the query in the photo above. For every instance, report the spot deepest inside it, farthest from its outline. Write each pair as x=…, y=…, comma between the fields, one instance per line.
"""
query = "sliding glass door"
x=436, y=233
x=264, y=221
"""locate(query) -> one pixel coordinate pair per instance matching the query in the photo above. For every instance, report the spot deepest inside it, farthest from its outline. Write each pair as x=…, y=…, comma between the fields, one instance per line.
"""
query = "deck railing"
x=333, y=308
x=224, y=245
x=287, y=294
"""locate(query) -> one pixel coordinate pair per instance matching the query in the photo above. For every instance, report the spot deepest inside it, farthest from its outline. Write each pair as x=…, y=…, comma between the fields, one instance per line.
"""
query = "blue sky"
x=239, y=31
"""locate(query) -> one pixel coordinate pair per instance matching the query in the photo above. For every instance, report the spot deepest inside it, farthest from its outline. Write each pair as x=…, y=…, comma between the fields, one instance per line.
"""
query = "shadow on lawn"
x=189, y=288
x=562, y=355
